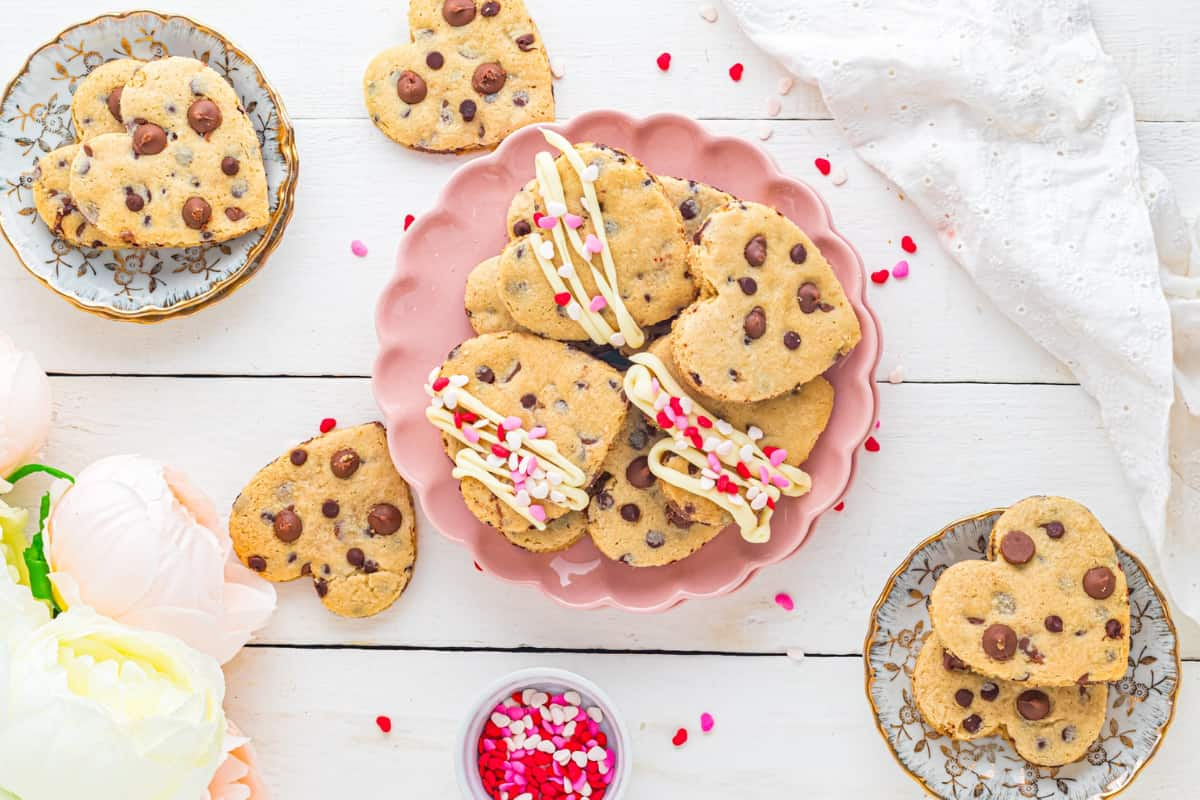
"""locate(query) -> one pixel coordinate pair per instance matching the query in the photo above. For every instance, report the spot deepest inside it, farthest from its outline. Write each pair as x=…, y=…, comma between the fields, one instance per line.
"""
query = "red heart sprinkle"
x=736, y=71
x=822, y=165
x=664, y=62
x=881, y=276
x=409, y=219
x=562, y=298
x=537, y=217
x=840, y=507
x=872, y=445
x=680, y=737
x=328, y=424
x=479, y=568
x=384, y=723
x=908, y=245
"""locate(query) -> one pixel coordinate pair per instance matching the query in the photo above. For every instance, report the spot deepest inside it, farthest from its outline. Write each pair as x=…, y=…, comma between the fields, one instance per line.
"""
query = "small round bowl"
x=551, y=681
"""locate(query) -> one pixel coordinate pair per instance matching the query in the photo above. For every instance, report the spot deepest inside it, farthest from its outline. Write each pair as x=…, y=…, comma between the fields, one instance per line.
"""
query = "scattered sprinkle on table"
x=664, y=62
x=908, y=245
x=736, y=71
x=358, y=248
x=840, y=506
x=708, y=13
x=838, y=176
x=774, y=106
x=784, y=601
x=328, y=424
x=872, y=445
x=896, y=375
x=880, y=276
x=900, y=271
x=706, y=722
x=557, y=68
x=384, y=723
x=795, y=654
x=786, y=83
x=764, y=130
x=680, y=737
x=822, y=165
x=409, y=219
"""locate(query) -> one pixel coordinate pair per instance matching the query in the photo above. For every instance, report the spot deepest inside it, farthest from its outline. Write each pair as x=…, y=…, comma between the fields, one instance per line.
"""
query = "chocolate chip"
x=964, y=697
x=1099, y=582
x=113, y=101
x=748, y=285
x=331, y=508
x=604, y=501
x=989, y=691
x=1017, y=547
x=306, y=569
x=134, y=201
x=1033, y=704
x=689, y=209
x=411, y=87
x=468, y=108
x=756, y=251
x=322, y=587
x=435, y=60
x=677, y=516
x=356, y=557
x=638, y=473
x=371, y=567
x=521, y=227
x=791, y=340
x=489, y=78
x=655, y=540
x=490, y=9
x=230, y=166
x=299, y=456
x=1000, y=642
x=196, y=212
x=971, y=724
x=525, y=42
x=528, y=401
x=458, y=12
x=755, y=324
x=384, y=519
x=204, y=116
x=1054, y=623
x=975, y=620
x=485, y=374
x=1069, y=733
x=1054, y=530
x=798, y=254
x=809, y=297
x=288, y=525
x=233, y=213
x=344, y=462
x=148, y=139
x=256, y=563
x=1113, y=628
x=951, y=662
x=630, y=512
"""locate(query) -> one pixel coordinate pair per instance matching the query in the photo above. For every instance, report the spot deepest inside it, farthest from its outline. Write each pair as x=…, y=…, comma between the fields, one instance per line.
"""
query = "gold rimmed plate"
x=1140, y=708
x=35, y=118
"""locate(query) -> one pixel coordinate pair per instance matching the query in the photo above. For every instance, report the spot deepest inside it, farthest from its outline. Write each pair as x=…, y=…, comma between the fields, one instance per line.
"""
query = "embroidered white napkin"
x=1009, y=127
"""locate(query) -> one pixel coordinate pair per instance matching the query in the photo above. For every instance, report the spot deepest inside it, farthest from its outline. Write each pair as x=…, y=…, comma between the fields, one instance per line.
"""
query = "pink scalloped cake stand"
x=420, y=318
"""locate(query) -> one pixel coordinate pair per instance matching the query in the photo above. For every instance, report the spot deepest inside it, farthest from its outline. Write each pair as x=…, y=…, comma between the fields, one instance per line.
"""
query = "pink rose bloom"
x=24, y=407
x=238, y=777
x=138, y=543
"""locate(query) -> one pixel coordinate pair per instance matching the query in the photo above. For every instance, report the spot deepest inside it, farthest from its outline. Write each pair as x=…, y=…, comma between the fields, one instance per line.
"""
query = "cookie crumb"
x=774, y=106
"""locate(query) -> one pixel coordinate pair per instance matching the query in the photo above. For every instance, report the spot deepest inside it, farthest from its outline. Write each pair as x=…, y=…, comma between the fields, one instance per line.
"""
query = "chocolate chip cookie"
x=56, y=207
x=485, y=310
x=96, y=104
x=333, y=509
x=695, y=201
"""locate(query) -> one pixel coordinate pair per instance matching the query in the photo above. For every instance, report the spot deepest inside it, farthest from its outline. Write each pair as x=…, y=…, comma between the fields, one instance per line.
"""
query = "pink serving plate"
x=420, y=318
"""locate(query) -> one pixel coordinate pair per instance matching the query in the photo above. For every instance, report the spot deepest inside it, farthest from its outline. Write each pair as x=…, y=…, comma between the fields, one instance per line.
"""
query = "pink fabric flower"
x=238, y=776
x=138, y=543
x=24, y=407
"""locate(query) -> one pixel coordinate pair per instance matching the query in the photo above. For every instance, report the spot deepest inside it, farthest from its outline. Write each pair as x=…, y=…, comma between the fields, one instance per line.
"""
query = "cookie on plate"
x=695, y=201
x=774, y=315
x=96, y=104
x=190, y=173
x=335, y=509
x=56, y=207
x=630, y=519
x=485, y=310
x=476, y=71
x=642, y=236
x=1051, y=606
x=1049, y=726
x=501, y=398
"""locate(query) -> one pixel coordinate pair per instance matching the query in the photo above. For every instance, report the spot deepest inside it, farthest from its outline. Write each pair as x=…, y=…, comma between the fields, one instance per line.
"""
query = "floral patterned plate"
x=35, y=118
x=1141, y=706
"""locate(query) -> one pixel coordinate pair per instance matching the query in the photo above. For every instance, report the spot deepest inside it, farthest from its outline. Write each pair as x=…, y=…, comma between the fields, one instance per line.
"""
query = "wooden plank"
x=781, y=726
x=947, y=451
x=311, y=310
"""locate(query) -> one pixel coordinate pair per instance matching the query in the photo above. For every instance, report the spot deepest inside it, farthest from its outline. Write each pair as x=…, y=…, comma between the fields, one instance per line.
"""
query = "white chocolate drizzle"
x=565, y=243
x=734, y=472
x=520, y=467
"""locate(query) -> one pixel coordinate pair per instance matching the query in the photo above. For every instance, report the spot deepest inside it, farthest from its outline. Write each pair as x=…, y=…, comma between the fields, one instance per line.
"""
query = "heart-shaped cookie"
x=774, y=315
x=1049, y=726
x=639, y=250
x=1051, y=607
x=485, y=310
x=189, y=171
x=476, y=71
x=96, y=104
x=56, y=207
x=527, y=422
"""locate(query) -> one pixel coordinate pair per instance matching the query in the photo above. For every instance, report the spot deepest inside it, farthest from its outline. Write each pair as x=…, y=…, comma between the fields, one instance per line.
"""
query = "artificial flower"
x=24, y=406
x=20, y=612
x=138, y=543
x=238, y=777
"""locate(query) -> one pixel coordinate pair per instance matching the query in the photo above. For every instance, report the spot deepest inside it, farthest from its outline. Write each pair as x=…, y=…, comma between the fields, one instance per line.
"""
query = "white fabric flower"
x=24, y=406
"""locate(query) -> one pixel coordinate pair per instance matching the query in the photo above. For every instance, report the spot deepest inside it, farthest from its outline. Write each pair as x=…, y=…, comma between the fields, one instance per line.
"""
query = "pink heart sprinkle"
x=536, y=433
x=780, y=481
x=470, y=434
x=358, y=248
x=900, y=270
x=538, y=513
x=592, y=244
x=511, y=423
x=597, y=303
x=784, y=601
x=573, y=220
x=706, y=722
x=778, y=457
x=547, y=222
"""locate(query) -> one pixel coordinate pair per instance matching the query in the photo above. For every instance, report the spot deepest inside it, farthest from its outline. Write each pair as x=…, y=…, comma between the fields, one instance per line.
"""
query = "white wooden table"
x=984, y=417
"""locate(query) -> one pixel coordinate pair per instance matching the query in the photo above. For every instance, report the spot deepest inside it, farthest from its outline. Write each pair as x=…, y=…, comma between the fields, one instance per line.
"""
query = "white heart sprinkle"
x=573, y=310
x=755, y=433
x=616, y=340
x=547, y=249
x=896, y=375
x=579, y=757
x=774, y=106
x=724, y=427
x=572, y=698
x=595, y=714
x=557, y=69
x=566, y=271
x=591, y=173
x=708, y=13
x=763, y=130
x=838, y=176
x=459, y=380
x=786, y=83
x=556, y=209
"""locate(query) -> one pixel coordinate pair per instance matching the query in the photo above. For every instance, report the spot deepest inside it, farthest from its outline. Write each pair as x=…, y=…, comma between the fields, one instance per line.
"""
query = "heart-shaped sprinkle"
x=680, y=737
x=872, y=445
x=547, y=223
x=562, y=298
x=409, y=219
x=900, y=271
x=358, y=248
x=597, y=303
x=823, y=166
x=784, y=601
x=664, y=62
x=573, y=220
x=556, y=209
x=708, y=13
x=880, y=277
x=328, y=424
x=384, y=723
x=908, y=245
x=537, y=217
x=774, y=106
x=592, y=244
x=590, y=174
x=736, y=71
x=547, y=249
x=840, y=507
x=706, y=722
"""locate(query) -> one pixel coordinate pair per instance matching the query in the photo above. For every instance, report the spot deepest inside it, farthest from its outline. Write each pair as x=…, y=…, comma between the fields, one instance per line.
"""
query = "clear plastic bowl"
x=551, y=681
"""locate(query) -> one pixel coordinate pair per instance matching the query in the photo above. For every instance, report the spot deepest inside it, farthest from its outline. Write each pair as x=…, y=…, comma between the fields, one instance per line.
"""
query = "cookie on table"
x=485, y=310
x=695, y=201
x=333, y=509
x=774, y=315
x=576, y=398
x=645, y=237
x=96, y=104
x=1049, y=726
x=191, y=173
x=476, y=71
x=56, y=207
x=1051, y=606
x=630, y=519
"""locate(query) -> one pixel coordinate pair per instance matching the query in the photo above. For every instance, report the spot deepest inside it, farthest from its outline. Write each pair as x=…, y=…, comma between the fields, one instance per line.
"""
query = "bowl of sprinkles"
x=543, y=733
